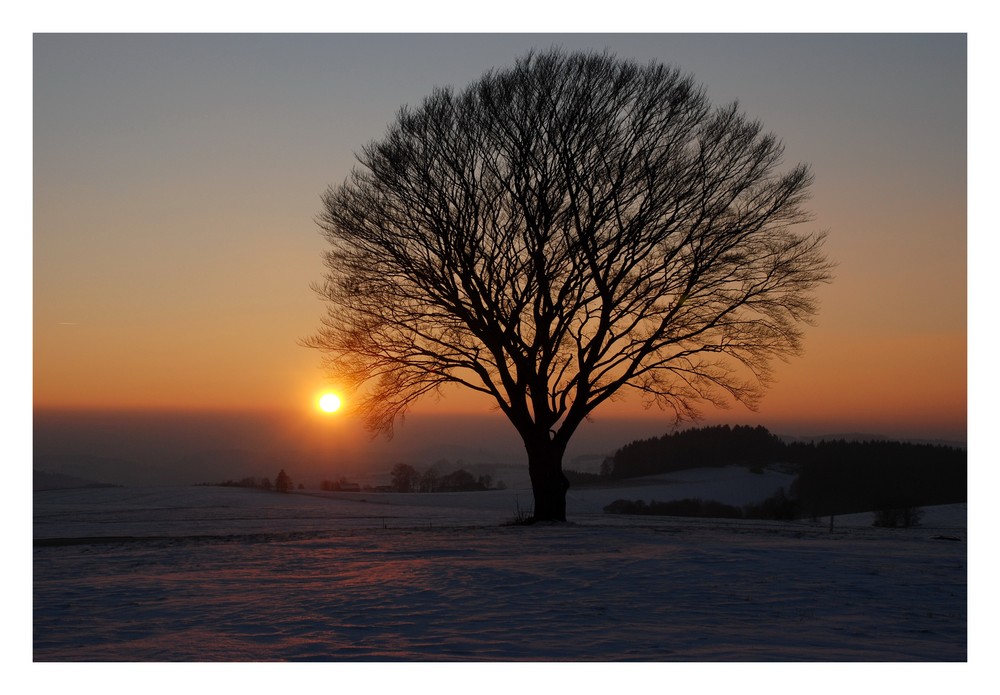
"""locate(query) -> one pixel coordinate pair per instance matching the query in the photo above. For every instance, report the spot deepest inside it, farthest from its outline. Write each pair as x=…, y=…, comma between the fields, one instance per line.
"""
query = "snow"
x=230, y=574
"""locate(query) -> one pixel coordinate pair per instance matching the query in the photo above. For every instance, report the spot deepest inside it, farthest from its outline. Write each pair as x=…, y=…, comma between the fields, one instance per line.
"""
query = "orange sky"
x=176, y=180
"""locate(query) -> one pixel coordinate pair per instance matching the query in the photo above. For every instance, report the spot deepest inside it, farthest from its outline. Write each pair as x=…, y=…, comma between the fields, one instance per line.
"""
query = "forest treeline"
x=698, y=447
x=406, y=478
x=282, y=483
x=832, y=477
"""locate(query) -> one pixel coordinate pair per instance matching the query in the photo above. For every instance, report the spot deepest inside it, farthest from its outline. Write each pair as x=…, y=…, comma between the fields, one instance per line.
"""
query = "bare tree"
x=405, y=478
x=429, y=480
x=558, y=232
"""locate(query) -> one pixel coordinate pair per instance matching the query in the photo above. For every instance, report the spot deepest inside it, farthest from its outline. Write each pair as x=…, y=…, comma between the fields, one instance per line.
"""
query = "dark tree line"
x=685, y=507
x=844, y=477
x=341, y=484
x=249, y=481
x=282, y=482
x=406, y=478
x=778, y=506
x=695, y=448
x=832, y=477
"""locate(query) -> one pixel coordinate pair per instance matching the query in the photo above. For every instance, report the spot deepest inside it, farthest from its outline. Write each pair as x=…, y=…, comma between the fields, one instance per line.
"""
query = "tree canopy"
x=559, y=232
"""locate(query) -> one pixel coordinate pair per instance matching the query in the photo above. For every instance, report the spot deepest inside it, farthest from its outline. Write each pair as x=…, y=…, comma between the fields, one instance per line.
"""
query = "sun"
x=329, y=403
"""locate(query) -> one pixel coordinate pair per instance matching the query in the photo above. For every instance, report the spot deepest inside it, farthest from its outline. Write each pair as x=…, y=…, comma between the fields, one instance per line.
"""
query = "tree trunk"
x=548, y=483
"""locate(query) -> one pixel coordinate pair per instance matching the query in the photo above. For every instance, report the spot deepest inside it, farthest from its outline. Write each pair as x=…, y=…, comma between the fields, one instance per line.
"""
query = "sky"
x=177, y=179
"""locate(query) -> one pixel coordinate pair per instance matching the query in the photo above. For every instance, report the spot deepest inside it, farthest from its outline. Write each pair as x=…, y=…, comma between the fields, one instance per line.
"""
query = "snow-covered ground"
x=210, y=574
x=102, y=511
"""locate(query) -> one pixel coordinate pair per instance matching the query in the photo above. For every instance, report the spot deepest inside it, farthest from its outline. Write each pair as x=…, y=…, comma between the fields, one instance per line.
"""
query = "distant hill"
x=719, y=445
x=43, y=480
x=833, y=476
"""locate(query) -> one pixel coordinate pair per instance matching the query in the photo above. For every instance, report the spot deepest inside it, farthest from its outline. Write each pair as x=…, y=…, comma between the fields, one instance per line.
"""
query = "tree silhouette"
x=429, y=480
x=282, y=482
x=459, y=480
x=558, y=232
x=405, y=478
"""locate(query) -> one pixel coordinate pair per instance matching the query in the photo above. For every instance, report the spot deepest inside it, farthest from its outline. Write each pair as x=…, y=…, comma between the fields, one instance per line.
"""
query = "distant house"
x=350, y=487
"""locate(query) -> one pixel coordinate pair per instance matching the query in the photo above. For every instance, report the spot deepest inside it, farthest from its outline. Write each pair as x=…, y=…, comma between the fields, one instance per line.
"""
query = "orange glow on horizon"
x=159, y=282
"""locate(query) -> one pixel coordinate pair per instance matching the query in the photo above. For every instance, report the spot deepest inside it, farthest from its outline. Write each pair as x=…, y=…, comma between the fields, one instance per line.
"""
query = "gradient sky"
x=177, y=177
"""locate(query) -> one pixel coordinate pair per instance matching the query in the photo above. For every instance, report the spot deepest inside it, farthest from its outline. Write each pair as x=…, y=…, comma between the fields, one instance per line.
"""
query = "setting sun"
x=329, y=402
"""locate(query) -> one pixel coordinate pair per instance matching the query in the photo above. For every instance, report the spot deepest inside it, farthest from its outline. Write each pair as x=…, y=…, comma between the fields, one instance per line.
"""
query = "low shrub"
x=778, y=507
x=689, y=507
x=900, y=517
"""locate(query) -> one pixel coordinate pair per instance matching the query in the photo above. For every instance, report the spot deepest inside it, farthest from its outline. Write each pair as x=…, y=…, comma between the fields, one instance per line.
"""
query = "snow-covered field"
x=228, y=574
